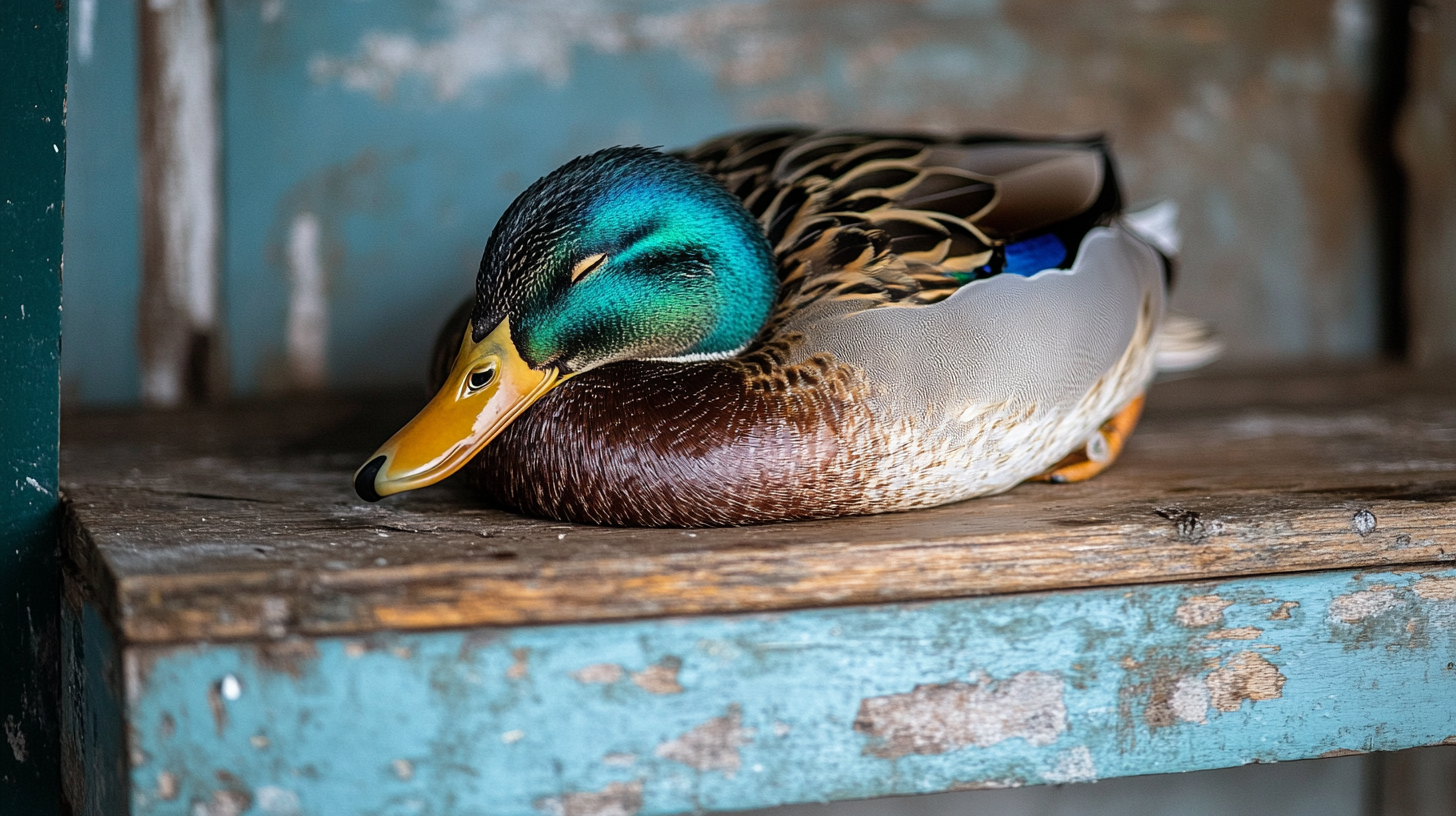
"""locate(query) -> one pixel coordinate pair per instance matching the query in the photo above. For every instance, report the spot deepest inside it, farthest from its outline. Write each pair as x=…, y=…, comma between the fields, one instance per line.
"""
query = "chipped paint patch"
x=16, y=738
x=1436, y=589
x=616, y=799
x=222, y=803
x=1190, y=699
x=1238, y=633
x=521, y=665
x=1358, y=606
x=1075, y=765
x=712, y=746
x=1201, y=610
x=660, y=677
x=934, y=719
x=167, y=786
x=276, y=801
x=604, y=673
x=1282, y=613
x=1246, y=676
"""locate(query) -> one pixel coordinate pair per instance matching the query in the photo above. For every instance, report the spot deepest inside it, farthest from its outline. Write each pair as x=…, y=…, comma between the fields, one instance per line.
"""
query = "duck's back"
x=953, y=319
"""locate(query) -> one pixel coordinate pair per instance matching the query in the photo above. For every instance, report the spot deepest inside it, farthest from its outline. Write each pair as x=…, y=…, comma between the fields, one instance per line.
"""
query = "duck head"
x=624, y=254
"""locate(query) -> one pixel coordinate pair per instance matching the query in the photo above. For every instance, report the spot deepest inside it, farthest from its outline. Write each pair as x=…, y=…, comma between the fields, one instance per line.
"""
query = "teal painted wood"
x=721, y=713
x=103, y=252
x=32, y=175
x=93, y=768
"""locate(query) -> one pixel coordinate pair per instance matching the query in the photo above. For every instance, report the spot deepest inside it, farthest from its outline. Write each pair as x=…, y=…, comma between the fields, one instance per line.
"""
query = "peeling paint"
x=1190, y=699
x=276, y=801
x=1238, y=633
x=1075, y=765
x=934, y=719
x=520, y=666
x=222, y=803
x=1282, y=613
x=16, y=738
x=661, y=677
x=1436, y=589
x=1358, y=606
x=616, y=799
x=604, y=673
x=167, y=785
x=1201, y=610
x=1246, y=676
x=712, y=746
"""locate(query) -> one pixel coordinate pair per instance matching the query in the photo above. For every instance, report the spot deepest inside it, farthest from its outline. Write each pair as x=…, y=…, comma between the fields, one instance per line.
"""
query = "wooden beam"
x=241, y=522
x=32, y=189
x=724, y=713
x=181, y=201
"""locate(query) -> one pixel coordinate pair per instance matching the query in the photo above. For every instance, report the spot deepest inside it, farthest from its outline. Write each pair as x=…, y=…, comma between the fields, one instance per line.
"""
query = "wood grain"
x=239, y=522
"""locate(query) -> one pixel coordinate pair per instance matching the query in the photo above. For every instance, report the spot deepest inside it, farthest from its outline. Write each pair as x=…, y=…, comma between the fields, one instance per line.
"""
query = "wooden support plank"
x=716, y=713
x=32, y=188
x=240, y=523
x=181, y=210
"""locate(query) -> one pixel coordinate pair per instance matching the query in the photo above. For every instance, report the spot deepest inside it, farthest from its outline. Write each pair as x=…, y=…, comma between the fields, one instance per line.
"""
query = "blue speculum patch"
x=1031, y=256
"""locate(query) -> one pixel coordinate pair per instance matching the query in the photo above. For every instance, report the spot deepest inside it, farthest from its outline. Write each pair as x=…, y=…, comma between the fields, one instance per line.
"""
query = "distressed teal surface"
x=32, y=206
x=93, y=768
x=518, y=720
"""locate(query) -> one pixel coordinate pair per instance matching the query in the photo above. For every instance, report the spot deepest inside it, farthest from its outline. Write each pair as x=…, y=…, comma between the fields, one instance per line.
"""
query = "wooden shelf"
x=239, y=522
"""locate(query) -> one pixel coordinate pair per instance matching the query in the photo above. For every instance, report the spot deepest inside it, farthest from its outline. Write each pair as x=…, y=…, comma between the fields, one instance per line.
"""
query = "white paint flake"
x=231, y=688
x=30, y=480
x=308, y=309
x=16, y=738
x=1075, y=765
x=276, y=801
x=1357, y=606
x=1190, y=699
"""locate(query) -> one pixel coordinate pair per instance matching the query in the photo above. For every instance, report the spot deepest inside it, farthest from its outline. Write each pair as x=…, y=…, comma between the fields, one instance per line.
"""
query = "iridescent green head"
x=625, y=254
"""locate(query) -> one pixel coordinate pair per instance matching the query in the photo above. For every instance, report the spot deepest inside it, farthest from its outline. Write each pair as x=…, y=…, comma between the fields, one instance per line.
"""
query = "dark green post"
x=32, y=185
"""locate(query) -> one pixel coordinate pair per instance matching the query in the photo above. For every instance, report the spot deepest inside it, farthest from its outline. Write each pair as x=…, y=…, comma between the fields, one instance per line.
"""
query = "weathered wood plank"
x=240, y=522
x=1427, y=142
x=715, y=713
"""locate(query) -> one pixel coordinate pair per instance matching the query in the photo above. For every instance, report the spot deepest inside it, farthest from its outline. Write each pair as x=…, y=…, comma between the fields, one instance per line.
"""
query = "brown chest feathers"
x=645, y=443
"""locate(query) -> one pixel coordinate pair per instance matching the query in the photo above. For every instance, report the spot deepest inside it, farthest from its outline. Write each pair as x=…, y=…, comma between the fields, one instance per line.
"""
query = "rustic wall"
x=370, y=146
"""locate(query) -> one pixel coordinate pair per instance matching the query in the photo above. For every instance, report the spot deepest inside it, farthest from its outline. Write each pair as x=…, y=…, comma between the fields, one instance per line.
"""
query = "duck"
x=788, y=324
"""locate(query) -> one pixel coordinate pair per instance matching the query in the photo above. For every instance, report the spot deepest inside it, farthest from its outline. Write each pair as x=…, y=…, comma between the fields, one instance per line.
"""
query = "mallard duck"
x=792, y=324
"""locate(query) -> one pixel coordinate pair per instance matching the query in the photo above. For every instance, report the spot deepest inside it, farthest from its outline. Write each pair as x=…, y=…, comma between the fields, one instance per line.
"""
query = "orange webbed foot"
x=1100, y=451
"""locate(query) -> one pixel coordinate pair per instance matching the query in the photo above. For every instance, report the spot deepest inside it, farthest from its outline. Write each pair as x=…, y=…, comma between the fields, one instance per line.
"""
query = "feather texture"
x=901, y=367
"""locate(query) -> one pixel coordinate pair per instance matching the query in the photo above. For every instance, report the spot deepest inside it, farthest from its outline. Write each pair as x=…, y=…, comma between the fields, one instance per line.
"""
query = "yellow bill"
x=488, y=388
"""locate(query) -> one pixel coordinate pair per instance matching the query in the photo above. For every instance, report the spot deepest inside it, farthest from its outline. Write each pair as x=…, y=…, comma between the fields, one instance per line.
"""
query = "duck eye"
x=482, y=378
x=587, y=264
